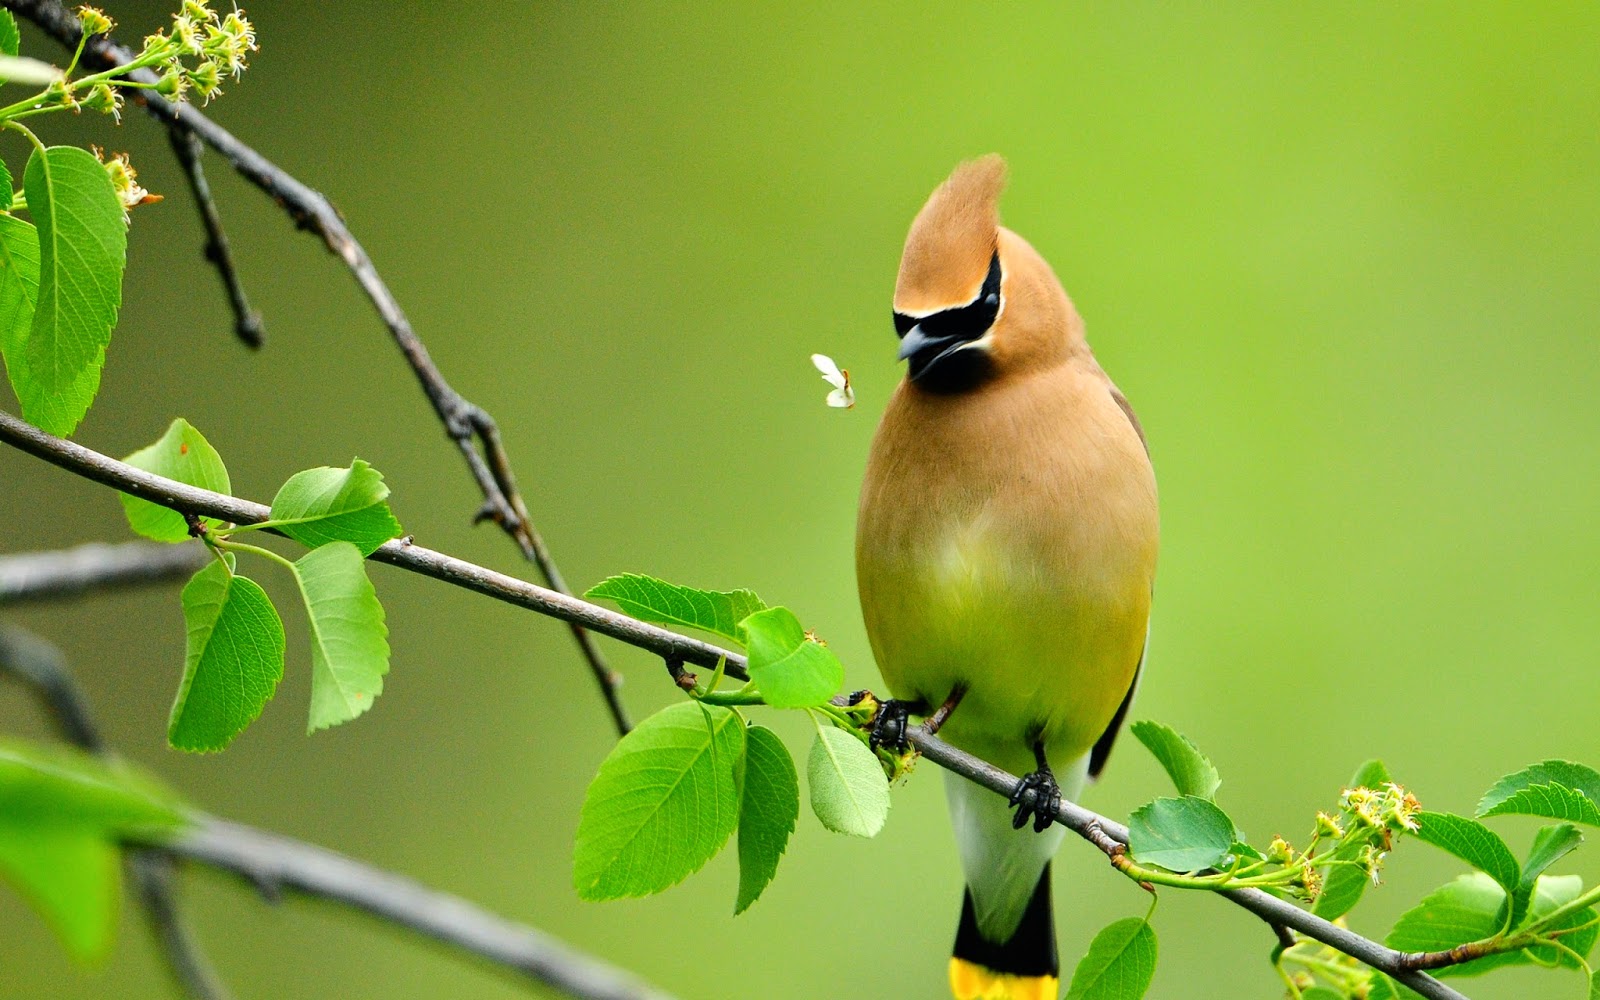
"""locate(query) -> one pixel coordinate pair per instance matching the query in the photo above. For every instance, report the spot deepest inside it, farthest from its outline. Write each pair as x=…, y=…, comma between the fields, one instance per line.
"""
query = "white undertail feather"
x=1002, y=865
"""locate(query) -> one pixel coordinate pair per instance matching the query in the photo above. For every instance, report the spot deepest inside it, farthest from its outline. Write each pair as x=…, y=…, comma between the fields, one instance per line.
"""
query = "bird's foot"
x=889, y=726
x=1038, y=795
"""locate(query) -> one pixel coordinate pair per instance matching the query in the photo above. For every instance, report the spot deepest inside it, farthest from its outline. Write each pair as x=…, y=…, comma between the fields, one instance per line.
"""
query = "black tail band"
x=1031, y=951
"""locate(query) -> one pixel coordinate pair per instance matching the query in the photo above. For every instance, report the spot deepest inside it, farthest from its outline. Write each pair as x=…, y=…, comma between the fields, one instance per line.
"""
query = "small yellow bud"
x=94, y=21
x=103, y=98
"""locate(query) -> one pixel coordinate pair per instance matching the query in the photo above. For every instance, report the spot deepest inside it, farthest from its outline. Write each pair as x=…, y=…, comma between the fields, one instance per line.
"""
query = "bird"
x=1006, y=547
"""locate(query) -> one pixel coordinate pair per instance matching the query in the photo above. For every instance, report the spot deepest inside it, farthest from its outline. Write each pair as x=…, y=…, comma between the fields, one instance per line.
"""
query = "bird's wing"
x=1127, y=410
x=1102, y=746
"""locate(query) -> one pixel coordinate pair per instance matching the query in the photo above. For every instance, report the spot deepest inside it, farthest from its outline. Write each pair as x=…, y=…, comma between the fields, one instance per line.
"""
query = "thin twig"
x=247, y=322
x=273, y=863
x=38, y=576
x=469, y=425
x=678, y=650
x=39, y=665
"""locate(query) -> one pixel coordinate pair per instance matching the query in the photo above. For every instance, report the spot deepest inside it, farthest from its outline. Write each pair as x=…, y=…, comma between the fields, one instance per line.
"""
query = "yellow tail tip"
x=971, y=981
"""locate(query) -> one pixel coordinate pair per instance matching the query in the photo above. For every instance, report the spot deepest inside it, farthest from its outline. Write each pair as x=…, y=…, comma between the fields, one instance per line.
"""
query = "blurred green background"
x=1345, y=263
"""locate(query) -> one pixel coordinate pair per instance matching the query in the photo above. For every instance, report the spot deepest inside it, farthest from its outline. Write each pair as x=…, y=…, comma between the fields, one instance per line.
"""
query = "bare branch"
x=273, y=863
x=677, y=650
x=39, y=665
x=38, y=576
x=468, y=424
x=247, y=323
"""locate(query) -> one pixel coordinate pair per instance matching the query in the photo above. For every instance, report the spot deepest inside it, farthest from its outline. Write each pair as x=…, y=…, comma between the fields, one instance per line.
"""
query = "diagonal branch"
x=1107, y=834
x=38, y=576
x=247, y=323
x=474, y=431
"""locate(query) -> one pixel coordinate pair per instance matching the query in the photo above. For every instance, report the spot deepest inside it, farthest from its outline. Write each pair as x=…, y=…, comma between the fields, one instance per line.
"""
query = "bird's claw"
x=889, y=726
x=1039, y=795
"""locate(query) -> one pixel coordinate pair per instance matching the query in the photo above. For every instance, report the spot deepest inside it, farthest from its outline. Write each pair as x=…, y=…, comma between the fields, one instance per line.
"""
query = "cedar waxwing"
x=1005, y=552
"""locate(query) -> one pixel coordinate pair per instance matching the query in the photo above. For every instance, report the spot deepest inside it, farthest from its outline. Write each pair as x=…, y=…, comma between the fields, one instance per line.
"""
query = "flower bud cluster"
x=201, y=49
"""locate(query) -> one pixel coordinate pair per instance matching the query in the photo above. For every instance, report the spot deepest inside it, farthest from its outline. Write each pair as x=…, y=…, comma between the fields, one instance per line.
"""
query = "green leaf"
x=790, y=670
x=233, y=663
x=849, y=793
x=1342, y=888
x=1550, y=844
x=1321, y=993
x=1373, y=774
x=665, y=801
x=10, y=39
x=1471, y=909
x=768, y=809
x=1557, y=789
x=1119, y=965
x=652, y=600
x=19, y=290
x=83, y=243
x=183, y=454
x=1180, y=835
x=1473, y=843
x=349, y=644
x=62, y=813
x=322, y=505
x=1594, y=987
x=1184, y=763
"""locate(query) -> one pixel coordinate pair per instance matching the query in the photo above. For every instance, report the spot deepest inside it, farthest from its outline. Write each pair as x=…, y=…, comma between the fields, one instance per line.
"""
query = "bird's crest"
x=952, y=239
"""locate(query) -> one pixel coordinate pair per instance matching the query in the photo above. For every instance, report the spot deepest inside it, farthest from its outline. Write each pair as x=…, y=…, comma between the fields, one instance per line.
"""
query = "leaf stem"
x=223, y=543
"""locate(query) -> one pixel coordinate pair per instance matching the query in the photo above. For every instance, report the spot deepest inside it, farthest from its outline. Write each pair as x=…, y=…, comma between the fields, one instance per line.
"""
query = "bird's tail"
x=1024, y=967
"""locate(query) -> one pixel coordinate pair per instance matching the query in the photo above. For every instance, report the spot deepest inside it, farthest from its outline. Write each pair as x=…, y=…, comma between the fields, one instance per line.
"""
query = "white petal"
x=830, y=371
x=843, y=396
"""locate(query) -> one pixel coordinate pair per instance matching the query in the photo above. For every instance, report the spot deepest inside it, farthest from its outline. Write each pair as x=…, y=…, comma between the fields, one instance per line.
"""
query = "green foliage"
x=1342, y=889
x=349, y=648
x=849, y=792
x=19, y=289
x=791, y=669
x=62, y=815
x=653, y=600
x=83, y=242
x=10, y=39
x=1189, y=769
x=1119, y=965
x=769, y=805
x=233, y=661
x=1372, y=774
x=1556, y=789
x=1551, y=844
x=182, y=454
x=1473, y=843
x=325, y=505
x=665, y=801
x=1185, y=834
x=1471, y=908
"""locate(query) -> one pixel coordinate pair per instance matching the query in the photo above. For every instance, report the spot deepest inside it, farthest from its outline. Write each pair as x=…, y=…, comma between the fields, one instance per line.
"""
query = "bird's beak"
x=925, y=350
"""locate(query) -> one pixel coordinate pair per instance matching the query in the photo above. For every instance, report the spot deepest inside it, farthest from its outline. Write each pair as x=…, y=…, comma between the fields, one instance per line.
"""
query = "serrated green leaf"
x=1373, y=774
x=665, y=801
x=233, y=662
x=10, y=38
x=1550, y=844
x=768, y=809
x=183, y=454
x=653, y=600
x=1342, y=888
x=1189, y=769
x=1119, y=964
x=349, y=640
x=790, y=670
x=83, y=243
x=322, y=505
x=849, y=792
x=19, y=290
x=1557, y=789
x=1594, y=987
x=1471, y=908
x=1473, y=843
x=62, y=812
x=1181, y=835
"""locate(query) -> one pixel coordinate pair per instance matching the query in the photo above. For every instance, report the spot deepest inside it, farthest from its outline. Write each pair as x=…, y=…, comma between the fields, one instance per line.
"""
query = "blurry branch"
x=37, y=576
x=39, y=666
x=1106, y=834
x=273, y=864
x=469, y=425
x=247, y=322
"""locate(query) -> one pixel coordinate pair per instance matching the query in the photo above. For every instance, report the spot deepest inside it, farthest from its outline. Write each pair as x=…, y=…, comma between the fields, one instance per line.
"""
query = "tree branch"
x=1107, y=834
x=38, y=665
x=468, y=424
x=247, y=323
x=39, y=576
